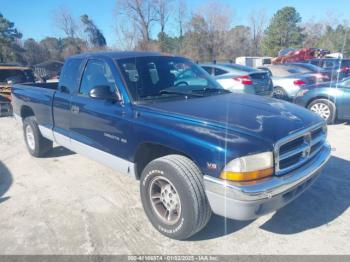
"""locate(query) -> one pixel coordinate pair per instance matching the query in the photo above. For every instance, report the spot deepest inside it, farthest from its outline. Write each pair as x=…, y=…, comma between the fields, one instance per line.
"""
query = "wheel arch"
x=26, y=111
x=148, y=151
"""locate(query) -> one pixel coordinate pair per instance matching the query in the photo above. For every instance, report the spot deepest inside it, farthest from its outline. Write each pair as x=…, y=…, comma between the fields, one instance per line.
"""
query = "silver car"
x=287, y=80
x=241, y=79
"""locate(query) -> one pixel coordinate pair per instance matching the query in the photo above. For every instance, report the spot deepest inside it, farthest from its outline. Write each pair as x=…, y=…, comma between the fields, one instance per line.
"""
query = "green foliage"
x=336, y=40
x=96, y=38
x=8, y=37
x=283, y=32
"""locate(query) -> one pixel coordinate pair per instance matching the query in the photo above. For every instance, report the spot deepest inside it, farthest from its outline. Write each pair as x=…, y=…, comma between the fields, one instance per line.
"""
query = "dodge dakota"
x=195, y=147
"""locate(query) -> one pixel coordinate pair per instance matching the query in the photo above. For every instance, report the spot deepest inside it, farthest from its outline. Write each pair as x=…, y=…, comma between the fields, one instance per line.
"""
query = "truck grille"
x=294, y=151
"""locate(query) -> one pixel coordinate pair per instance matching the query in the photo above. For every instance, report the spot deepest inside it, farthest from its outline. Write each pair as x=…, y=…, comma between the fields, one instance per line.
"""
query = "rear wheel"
x=37, y=145
x=173, y=196
x=324, y=108
x=279, y=93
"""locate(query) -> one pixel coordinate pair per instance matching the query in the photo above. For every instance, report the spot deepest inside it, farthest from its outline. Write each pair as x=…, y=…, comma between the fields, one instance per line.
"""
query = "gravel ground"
x=67, y=204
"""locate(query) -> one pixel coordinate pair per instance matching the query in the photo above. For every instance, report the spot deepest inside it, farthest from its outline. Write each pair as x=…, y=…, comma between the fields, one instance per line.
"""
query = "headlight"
x=249, y=167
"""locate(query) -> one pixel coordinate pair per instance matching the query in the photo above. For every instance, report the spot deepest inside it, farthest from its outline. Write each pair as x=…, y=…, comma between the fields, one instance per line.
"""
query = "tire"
x=324, y=108
x=193, y=210
x=37, y=145
x=279, y=93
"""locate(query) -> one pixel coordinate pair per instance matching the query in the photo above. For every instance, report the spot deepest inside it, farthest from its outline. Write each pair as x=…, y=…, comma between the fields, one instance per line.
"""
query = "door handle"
x=75, y=109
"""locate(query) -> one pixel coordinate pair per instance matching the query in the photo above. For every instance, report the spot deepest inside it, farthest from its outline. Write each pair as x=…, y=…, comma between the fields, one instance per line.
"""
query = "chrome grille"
x=297, y=149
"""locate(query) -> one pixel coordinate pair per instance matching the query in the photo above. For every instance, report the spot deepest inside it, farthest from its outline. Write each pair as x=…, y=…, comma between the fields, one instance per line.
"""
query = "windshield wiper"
x=168, y=92
x=212, y=90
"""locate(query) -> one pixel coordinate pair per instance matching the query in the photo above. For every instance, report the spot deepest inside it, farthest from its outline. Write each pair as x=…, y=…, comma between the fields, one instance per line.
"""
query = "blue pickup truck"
x=195, y=147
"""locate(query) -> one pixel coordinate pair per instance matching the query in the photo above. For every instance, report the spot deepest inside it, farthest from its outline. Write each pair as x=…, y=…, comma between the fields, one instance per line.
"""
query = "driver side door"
x=98, y=129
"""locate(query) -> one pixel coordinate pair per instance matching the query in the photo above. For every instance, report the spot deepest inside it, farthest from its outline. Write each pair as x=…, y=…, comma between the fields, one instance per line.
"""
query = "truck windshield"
x=163, y=77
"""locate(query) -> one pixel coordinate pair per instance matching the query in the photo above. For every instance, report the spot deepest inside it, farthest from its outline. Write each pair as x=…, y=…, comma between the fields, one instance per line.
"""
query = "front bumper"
x=249, y=200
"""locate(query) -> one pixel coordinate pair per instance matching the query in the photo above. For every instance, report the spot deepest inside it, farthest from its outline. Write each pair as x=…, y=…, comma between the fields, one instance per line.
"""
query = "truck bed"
x=52, y=86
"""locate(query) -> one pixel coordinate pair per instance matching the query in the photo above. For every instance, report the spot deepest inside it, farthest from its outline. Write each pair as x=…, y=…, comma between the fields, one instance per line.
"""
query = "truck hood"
x=266, y=118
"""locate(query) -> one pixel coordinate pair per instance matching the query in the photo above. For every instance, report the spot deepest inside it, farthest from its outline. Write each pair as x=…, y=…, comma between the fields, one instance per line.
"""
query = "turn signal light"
x=246, y=176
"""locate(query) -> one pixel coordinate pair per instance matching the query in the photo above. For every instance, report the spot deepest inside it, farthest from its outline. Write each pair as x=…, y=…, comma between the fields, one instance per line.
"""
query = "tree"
x=141, y=15
x=64, y=21
x=163, y=12
x=181, y=17
x=53, y=46
x=257, y=22
x=283, y=32
x=9, y=37
x=336, y=40
x=34, y=52
x=96, y=38
x=72, y=46
x=238, y=43
x=207, y=30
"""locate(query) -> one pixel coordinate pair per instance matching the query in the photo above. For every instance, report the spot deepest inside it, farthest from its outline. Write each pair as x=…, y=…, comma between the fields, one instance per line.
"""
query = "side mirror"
x=103, y=93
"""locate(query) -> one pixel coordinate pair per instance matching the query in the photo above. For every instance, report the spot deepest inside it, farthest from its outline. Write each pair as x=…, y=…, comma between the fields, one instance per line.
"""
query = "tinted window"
x=151, y=78
x=208, y=69
x=70, y=76
x=345, y=63
x=329, y=64
x=16, y=76
x=218, y=71
x=96, y=73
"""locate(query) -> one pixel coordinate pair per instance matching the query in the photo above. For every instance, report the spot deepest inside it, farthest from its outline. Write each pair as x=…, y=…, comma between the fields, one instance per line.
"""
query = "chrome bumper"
x=249, y=200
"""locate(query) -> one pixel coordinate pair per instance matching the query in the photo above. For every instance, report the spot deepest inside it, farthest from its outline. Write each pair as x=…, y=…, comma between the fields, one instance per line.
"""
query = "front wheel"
x=324, y=108
x=173, y=196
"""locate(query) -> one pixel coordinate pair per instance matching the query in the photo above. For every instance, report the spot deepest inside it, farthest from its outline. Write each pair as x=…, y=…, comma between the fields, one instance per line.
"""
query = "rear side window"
x=208, y=69
x=219, y=72
x=70, y=76
x=329, y=64
x=345, y=63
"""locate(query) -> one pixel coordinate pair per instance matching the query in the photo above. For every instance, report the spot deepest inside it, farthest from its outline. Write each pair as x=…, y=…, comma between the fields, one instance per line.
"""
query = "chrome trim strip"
x=116, y=163
x=46, y=132
x=293, y=152
x=271, y=186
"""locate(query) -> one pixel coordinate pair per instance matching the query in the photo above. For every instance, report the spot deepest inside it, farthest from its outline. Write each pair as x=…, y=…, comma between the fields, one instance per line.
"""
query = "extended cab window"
x=159, y=77
x=70, y=76
x=96, y=73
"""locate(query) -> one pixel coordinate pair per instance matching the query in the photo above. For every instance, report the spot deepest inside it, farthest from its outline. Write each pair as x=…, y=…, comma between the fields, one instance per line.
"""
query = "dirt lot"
x=67, y=204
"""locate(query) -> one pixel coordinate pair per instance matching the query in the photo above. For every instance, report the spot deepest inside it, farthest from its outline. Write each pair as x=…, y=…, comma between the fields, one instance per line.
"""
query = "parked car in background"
x=321, y=75
x=339, y=68
x=330, y=100
x=241, y=79
x=287, y=80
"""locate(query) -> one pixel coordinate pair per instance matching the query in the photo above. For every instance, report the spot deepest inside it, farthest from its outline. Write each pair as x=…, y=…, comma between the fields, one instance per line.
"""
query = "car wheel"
x=173, y=196
x=324, y=108
x=37, y=145
x=279, y=93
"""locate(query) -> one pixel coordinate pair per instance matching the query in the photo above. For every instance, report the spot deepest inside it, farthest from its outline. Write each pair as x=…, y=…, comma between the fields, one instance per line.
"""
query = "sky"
x=34, y=17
